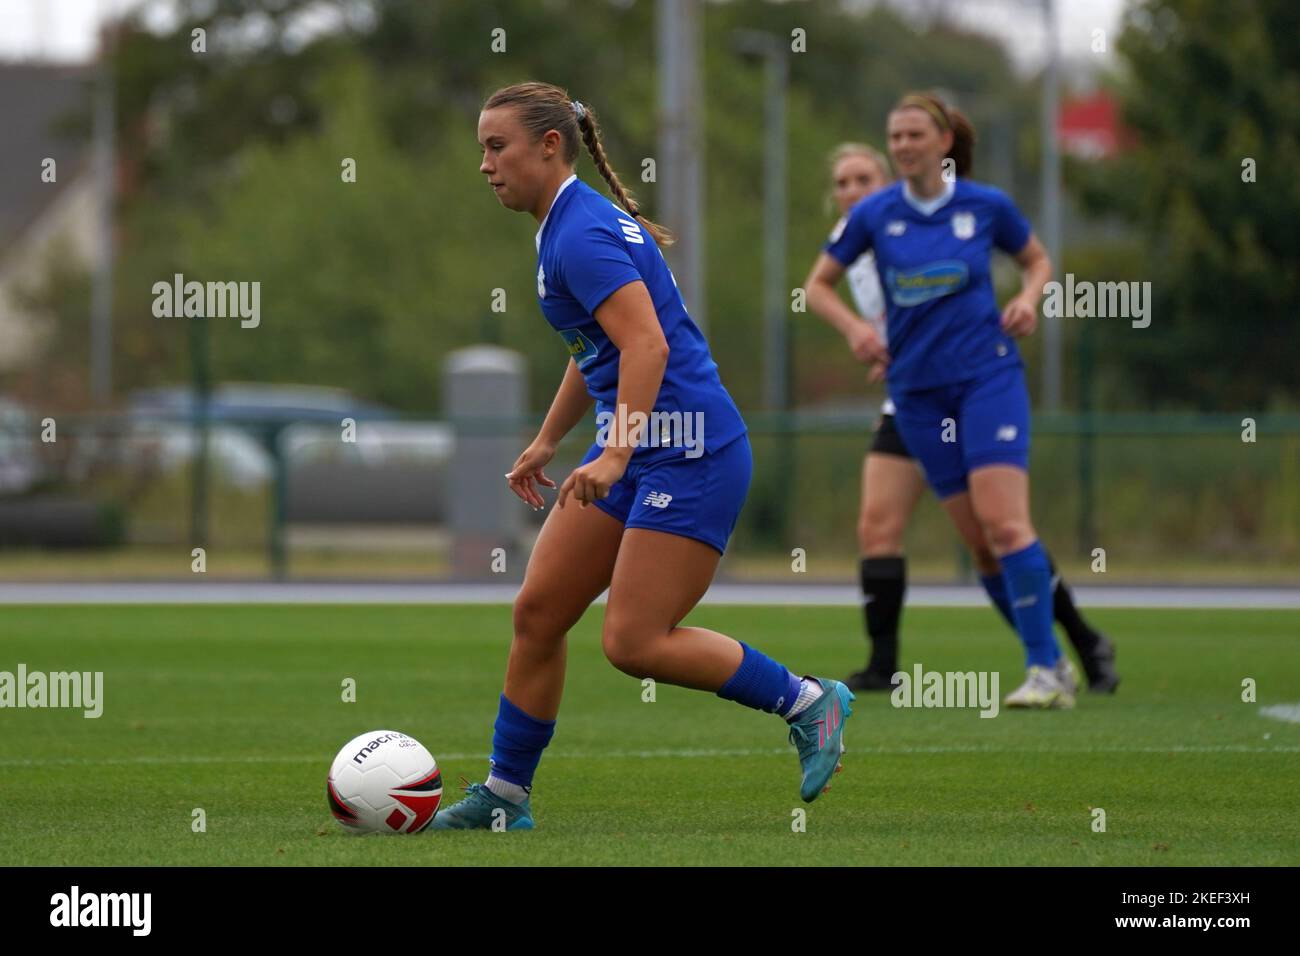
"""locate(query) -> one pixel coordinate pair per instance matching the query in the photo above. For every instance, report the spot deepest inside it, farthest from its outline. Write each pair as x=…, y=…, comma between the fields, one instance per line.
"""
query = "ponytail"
x=591, y=138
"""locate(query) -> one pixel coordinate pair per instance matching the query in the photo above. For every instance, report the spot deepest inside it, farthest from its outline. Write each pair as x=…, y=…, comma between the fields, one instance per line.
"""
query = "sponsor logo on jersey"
x=581, y=348
x=657, y=499
x=914, y=286
x=963, y=224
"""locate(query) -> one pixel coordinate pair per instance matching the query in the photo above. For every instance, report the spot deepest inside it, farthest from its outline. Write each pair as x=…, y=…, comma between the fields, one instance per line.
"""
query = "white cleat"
x=1042, y=690
x=1065, y=673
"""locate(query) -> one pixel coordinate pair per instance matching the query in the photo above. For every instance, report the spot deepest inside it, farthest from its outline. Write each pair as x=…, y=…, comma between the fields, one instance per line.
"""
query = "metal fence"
x=1153, y=496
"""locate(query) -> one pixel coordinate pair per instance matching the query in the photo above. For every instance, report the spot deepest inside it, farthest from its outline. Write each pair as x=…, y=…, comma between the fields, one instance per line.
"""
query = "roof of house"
x=41, y=105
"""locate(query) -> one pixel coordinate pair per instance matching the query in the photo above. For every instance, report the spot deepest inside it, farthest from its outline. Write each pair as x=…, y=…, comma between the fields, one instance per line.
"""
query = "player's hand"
x=1020, y=317
x=527, y=473
x=865, y=344
x=593, y=480
x=876, y=374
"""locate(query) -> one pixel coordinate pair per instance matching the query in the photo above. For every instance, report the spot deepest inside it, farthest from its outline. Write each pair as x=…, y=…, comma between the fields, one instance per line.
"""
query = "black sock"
x=883, y=582
x=1067, y=615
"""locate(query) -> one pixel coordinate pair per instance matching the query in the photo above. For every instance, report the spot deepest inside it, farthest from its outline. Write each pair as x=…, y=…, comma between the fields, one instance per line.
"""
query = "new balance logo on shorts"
x=657, y=499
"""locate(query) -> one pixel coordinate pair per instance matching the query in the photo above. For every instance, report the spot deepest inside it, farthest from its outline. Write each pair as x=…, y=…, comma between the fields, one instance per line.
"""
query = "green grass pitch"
x=238, y=711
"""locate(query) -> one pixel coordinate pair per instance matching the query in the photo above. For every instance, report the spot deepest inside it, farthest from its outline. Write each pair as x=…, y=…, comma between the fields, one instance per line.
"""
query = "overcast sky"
x=65, y=30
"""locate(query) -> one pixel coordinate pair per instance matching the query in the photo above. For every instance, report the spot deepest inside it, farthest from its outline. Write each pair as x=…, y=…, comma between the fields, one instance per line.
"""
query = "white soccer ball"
x=384, y=782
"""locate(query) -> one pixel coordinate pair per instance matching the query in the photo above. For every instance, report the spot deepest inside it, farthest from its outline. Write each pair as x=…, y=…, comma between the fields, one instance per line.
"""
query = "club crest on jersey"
x=963, y=224
x=541, y=283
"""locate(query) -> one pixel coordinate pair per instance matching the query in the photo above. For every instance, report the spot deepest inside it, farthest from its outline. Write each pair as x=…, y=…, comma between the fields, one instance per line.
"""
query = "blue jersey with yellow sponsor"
x=943, y=320
x=587, y=249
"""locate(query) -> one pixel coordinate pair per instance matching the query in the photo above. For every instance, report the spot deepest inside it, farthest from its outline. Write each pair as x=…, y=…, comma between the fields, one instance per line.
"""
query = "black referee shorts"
x=886, y=440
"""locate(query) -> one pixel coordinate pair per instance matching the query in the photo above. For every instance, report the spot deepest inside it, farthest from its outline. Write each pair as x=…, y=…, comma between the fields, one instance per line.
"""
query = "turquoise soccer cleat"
x=480, y=809
x=818, y=733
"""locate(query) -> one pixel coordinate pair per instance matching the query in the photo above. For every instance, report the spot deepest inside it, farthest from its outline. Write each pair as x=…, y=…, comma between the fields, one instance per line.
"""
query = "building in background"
x=46, y=116
x=1090, y=127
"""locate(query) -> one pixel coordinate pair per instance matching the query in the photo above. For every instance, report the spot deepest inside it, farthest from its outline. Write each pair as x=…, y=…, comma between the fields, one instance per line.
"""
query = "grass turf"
x=238, y=710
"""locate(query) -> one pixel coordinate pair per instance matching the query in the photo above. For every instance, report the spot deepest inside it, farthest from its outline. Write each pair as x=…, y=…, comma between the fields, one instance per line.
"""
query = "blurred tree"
x=231, y=164
x=1212, y=91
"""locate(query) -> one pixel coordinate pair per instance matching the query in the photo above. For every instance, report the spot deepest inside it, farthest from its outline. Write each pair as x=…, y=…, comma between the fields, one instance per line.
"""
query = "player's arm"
x=628, y=317
x=826, y=302
x=567, y=408
x=571, y=402
x=1020, y=317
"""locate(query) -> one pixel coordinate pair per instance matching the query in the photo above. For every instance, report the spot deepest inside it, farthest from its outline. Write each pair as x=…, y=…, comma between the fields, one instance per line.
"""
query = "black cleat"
x=1099, y=666
x=869, y=679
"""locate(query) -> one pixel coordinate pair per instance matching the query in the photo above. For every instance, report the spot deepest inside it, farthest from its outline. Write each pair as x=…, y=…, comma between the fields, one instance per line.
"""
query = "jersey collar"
x=563, y=186
x=928, y=207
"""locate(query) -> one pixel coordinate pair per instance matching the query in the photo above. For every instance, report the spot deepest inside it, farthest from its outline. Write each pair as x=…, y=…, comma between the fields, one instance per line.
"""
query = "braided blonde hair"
x=543, y=107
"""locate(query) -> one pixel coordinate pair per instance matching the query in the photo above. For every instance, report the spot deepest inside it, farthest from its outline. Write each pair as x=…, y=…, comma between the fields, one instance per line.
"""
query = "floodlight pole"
x=776, y=74
x=680, y=169
x=101, y=314
x=1051, y=204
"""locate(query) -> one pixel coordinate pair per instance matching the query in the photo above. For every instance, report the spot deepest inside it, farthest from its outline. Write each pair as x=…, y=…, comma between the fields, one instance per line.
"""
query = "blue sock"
x=517, y=744
x=1029, y=583
x=996, y=586
x=761, y=683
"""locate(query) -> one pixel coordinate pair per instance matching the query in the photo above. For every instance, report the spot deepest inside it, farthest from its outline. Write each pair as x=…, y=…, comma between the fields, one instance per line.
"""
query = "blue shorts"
x=953, y=430
x=696, y=498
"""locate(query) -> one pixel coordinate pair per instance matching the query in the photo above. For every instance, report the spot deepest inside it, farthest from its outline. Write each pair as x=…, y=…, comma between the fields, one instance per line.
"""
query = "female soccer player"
x=891, y=482
x=954, y=373
x=662, y=514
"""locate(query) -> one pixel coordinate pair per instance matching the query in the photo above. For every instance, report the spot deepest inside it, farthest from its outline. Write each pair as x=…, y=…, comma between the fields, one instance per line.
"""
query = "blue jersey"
x=943, y=320
x=587, y=249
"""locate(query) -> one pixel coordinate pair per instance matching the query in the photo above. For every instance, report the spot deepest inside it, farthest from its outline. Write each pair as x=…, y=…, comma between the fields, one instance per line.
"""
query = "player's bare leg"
x=658, y=579
x=962, y=514
x=1095, y=651
x=570, y=566
x=999, y=497
x=891, y=488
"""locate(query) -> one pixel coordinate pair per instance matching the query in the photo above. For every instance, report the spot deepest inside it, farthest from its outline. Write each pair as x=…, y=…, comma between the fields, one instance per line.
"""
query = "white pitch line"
x=664, y=754
x=1285, y=712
